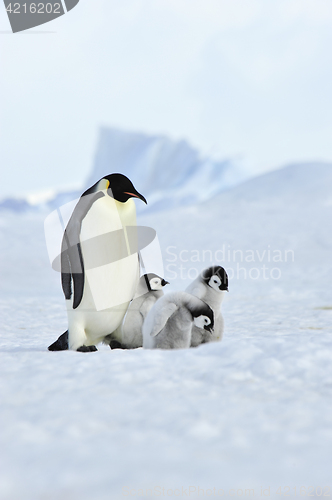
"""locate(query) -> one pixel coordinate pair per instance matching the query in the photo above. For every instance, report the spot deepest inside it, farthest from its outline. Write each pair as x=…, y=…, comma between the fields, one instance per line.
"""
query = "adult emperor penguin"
x=149, y=290
x=168, y=324
x=209, y=286
x=99, y=262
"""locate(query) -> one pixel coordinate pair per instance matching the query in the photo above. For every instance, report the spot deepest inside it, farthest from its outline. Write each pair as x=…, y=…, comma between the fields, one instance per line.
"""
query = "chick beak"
x=163, y=282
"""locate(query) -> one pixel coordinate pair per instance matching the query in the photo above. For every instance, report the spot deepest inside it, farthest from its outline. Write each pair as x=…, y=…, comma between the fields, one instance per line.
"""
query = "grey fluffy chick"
x=169, y=322
x=149, y=290
x=209, y=286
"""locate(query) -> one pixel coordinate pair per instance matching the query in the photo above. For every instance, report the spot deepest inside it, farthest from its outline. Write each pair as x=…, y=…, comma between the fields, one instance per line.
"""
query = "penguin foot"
x=114, y=344
x=61, y=344
x=87, y=348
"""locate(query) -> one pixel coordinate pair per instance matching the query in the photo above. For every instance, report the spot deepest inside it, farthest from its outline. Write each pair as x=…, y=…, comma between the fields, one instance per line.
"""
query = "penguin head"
x=154, y=282
x=216, y=278
x=121, y=188
x=203, y=317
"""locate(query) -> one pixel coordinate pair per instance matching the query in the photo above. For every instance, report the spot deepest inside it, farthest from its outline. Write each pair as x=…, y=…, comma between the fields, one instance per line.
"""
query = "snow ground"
x=251, y=412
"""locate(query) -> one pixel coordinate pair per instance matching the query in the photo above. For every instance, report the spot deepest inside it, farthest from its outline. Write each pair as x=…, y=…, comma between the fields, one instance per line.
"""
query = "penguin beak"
x=163, y=282
x=137, y=195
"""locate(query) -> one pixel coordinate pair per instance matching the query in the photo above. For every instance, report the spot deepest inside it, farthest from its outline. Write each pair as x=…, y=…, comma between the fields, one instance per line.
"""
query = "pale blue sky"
x=245, y=78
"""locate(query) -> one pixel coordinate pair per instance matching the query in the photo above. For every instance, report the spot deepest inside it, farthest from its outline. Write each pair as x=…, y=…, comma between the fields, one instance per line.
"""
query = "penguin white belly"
x=108, y=288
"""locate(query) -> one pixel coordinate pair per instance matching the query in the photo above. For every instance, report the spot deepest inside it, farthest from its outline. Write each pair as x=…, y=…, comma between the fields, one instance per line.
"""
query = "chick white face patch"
x=215, y=282
x=202, y=321
x=155, y=284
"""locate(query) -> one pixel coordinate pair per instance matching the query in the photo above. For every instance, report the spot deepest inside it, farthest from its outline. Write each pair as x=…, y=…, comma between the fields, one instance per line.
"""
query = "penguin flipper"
x=61, y=344
x=161, y=319
x=72, y=263
x=66, y=275
x=78, y=278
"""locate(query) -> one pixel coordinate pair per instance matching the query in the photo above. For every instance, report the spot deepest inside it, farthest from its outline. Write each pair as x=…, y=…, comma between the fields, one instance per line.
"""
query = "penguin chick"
x=149, y=290
x=168, y=324
x=209, y=286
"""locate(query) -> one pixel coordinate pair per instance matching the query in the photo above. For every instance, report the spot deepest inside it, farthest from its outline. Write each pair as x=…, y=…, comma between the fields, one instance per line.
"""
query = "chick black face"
x=216, y=277
x=121, y=188
x=154, y=282
x=204, y=318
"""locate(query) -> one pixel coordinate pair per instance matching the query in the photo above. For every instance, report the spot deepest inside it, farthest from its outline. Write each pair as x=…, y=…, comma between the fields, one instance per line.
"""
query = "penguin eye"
x=154, y=282
x=216, y=280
